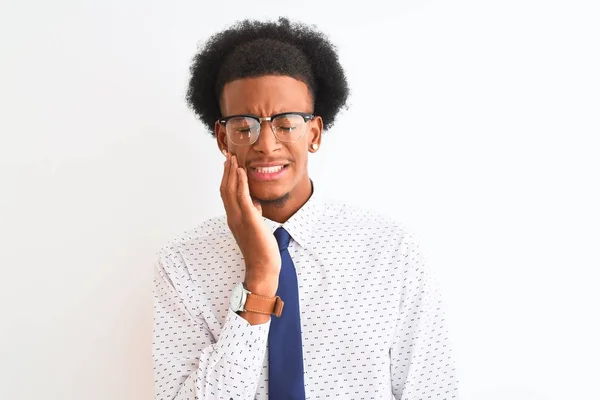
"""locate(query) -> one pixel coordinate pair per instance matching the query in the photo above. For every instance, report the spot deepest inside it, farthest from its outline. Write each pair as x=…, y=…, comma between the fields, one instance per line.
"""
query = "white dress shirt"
x=372, y=323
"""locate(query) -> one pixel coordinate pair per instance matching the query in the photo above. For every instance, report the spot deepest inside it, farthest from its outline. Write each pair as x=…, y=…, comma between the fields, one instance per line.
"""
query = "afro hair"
x=252, y=49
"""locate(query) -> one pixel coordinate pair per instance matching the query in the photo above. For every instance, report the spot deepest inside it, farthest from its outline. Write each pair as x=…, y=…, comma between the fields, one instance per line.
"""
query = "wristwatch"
x=245, y=301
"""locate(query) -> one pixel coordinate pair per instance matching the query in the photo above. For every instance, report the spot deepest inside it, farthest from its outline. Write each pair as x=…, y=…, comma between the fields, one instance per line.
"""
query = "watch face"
x=237, y=298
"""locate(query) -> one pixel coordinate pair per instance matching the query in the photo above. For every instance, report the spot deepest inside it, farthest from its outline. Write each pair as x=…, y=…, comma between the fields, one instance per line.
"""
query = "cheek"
x=300, y=156
x=240, y=155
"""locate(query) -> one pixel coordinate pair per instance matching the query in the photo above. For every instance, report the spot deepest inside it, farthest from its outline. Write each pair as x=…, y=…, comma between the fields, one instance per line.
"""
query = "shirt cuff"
x=242, y=342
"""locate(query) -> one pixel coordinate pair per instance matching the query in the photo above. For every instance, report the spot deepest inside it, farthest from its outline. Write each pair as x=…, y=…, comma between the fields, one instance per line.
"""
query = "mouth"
x=268, y=173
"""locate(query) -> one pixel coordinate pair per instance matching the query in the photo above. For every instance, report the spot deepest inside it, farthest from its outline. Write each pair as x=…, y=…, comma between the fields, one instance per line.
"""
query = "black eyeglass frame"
x=307, y=117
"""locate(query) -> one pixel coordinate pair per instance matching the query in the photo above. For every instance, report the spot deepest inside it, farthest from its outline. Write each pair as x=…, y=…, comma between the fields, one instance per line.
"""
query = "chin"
x=267, y=192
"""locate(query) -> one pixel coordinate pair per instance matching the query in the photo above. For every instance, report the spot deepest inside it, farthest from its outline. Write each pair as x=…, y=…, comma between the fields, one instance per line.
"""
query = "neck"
x=281, y=212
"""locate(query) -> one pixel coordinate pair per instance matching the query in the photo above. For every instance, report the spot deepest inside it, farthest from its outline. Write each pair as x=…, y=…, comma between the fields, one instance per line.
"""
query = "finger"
x=246, y=203
x=225, y=176
x=232, y=184
x=231, y=208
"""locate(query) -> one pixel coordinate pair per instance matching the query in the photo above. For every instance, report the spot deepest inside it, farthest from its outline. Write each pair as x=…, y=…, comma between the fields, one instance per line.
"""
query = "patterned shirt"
x=372, y=321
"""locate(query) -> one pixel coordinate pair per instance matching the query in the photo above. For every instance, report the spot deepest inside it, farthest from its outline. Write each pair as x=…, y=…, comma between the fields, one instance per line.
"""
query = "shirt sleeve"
x=422, y=366
x=189, y=363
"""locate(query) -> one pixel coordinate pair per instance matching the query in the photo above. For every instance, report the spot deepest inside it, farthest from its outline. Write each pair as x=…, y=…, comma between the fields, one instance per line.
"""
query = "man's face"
x=263, y=97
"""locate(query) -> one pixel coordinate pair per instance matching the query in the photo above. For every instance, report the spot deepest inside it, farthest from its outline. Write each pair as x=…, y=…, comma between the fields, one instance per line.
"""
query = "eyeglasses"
x=244, y=130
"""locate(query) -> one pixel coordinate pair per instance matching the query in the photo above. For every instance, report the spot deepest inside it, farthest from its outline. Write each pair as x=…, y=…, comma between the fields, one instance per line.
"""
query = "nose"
x=266, y=142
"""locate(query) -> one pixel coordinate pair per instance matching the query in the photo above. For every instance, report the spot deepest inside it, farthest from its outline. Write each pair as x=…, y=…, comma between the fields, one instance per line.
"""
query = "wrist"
x=262, y=287
x=254, y=318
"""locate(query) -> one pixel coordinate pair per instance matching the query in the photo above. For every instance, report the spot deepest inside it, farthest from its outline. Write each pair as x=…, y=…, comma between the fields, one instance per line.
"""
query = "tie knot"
x=283, y=238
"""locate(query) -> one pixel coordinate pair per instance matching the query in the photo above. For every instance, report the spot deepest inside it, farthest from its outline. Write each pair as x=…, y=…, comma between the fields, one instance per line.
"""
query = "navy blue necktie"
x=286, y=365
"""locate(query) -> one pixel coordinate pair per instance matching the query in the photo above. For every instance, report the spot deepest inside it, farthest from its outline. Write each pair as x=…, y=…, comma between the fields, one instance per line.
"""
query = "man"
x=289, y=296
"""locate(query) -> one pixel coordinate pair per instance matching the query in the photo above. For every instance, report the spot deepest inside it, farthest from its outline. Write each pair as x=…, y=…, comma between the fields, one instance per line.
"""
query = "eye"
x=286, y=129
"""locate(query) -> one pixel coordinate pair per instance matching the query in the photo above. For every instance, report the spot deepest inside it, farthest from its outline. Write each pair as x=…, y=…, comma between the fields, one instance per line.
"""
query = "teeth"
x=269, y=170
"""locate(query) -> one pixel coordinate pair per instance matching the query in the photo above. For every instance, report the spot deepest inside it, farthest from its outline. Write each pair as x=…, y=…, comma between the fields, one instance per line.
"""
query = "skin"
x=247, y=200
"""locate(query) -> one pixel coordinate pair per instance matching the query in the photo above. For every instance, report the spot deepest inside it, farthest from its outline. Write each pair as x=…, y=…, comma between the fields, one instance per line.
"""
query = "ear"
x=314, y=137
x=221, y=136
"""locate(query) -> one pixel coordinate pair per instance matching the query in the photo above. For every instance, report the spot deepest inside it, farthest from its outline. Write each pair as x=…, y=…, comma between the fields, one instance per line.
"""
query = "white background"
x=491, y=157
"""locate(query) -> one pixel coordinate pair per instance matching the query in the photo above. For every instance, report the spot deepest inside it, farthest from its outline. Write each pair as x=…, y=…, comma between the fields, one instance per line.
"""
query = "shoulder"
x=362, y=218
x=198, y=238
x=371, y=230
x=359, y=223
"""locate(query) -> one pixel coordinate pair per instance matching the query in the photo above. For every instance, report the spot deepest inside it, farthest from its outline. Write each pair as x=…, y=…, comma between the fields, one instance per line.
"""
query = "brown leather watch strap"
x=264, y=305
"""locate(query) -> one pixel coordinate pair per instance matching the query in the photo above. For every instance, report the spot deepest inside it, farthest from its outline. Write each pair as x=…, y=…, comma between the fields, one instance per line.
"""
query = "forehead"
x=265, y=95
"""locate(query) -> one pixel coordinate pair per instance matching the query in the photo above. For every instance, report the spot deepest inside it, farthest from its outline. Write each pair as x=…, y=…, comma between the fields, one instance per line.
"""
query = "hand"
x=256, y=242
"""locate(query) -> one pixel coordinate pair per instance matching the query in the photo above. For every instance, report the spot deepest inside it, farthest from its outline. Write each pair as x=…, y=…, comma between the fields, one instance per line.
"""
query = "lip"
x=254, y=174
x=267, y=164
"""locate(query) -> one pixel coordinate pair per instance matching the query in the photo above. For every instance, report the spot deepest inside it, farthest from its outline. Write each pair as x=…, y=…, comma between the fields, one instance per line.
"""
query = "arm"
x=421, y=356
x=189, y=363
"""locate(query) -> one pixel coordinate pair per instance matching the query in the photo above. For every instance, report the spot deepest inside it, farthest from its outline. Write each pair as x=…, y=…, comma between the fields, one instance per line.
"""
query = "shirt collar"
x=301, y=224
